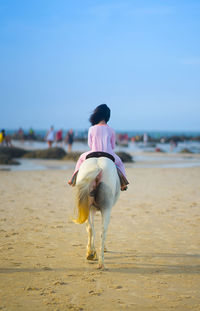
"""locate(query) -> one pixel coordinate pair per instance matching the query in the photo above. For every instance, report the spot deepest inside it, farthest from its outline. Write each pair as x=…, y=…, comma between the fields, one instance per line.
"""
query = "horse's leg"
x=91, y=252
x=105, y=222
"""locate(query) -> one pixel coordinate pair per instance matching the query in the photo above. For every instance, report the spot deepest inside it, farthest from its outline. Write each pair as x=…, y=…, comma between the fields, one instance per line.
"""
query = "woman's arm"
x=113, y=140
x=90, y=138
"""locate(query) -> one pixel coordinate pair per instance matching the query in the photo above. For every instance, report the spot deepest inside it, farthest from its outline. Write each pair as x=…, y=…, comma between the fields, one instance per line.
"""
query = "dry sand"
x=153, y=256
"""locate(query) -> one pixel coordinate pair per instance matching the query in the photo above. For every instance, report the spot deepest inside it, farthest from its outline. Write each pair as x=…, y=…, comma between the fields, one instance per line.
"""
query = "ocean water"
x=143, y=156
x=133, y=147
x=131, y=133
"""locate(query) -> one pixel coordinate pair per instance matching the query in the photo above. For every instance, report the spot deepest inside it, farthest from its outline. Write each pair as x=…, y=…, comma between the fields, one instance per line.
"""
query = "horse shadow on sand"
x=134, y=263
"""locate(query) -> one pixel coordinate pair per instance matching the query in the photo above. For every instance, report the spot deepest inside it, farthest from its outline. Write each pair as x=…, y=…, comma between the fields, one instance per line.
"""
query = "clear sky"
x=59, y=59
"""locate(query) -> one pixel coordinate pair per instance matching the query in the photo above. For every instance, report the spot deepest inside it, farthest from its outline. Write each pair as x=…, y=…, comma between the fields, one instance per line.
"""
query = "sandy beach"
x=153, y=256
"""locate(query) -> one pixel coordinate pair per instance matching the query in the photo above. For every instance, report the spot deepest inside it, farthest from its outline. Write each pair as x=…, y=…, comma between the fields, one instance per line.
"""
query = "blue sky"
x=60, y=59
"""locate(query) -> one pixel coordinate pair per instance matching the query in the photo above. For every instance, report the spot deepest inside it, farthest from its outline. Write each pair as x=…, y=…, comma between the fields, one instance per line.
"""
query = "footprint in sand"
x=74, y=307
x=16, y=263
x=59, y=283
x=193, y=204
x=47, y=268
x=93, y=293
x=14, y=233
x=118, y=287
x=32, y=288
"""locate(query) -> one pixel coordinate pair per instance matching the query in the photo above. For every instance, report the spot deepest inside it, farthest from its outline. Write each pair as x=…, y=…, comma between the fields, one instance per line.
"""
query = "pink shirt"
x=101, y=138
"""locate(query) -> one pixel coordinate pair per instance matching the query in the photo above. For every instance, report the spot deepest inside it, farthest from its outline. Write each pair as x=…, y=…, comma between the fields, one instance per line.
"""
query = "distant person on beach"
x=31, y=134
x=69, y=139
x=122, y=140
x=20, y=134
x=145, y=138
x=5, y=140
x=59, y=137
x=50, y=137
x=101, y=137
x=173, y=144
x=2, y=137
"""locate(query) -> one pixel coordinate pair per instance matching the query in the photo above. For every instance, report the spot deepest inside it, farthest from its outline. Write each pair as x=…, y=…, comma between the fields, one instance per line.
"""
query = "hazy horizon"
x=140, y=131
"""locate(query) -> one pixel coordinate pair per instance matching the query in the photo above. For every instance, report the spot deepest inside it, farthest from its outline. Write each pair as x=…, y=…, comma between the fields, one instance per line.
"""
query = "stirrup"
x=72, y=182
x=122, y=178
x=124, y=188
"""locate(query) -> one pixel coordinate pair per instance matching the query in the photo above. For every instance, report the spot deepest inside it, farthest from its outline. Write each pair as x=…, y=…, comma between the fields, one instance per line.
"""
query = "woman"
x=50, y=137
x=101, y=137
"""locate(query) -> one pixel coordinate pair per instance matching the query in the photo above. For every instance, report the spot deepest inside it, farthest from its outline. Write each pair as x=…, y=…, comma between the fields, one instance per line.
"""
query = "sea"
x=131, y=133
x=143, y=154
x=132, y=147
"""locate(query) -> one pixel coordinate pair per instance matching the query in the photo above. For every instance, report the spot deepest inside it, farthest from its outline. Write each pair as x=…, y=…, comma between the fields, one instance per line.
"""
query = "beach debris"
x=159, y=150
x=7, y=160
x=125, y=157
x=50, y=153
x=72, y=156
x=186, y=150
x=7, y=155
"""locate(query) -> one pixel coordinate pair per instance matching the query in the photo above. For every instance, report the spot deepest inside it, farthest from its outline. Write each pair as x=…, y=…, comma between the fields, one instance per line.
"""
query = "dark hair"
x=101, y=112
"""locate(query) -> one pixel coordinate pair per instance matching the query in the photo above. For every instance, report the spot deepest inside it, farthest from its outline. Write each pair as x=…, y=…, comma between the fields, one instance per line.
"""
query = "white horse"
x=97, y=188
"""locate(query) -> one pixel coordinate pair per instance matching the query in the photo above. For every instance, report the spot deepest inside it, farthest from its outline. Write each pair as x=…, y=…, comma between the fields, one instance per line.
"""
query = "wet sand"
x=153, y=256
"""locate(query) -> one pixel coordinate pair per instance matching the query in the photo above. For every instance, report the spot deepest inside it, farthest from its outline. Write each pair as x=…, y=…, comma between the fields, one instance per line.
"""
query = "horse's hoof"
x=92, y=256
x=101, y=267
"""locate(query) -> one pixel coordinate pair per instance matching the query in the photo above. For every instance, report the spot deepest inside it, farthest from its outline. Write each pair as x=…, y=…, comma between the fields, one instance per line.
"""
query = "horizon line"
x=117, y=130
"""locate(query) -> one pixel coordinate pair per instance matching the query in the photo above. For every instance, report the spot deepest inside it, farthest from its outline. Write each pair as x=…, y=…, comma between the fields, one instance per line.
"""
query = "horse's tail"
x=83, y=188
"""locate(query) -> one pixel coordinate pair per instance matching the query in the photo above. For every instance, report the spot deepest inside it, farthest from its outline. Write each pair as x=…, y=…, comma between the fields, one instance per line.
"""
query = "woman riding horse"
x=101, y=138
